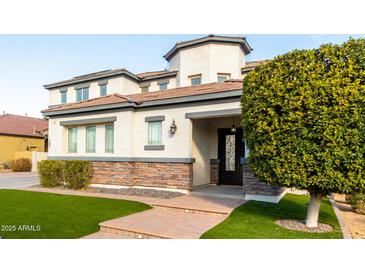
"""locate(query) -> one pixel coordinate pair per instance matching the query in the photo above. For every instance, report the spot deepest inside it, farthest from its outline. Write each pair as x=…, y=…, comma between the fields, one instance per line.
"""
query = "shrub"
x=357, y=201
x=6, y=165
x=21, y=164
x=50, y=173
x=77, y=174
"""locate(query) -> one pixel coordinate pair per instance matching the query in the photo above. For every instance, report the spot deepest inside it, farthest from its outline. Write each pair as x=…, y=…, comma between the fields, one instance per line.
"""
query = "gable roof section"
x=142, y=99
x=22, y=125
x=210, y=39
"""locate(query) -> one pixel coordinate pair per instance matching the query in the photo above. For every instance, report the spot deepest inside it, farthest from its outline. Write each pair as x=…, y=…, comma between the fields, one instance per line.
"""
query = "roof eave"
x=210, y=39
x=22, y=135
x=79, y=81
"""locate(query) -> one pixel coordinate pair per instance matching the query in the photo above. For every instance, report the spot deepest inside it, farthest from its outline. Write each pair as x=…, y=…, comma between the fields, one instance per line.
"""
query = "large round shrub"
x=304, y=120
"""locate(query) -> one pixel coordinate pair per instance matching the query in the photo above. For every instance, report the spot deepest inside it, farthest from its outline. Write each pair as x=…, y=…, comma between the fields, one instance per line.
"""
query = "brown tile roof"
x=187, y=91
x=140, y=98
x=105, y=100
x=252, y=64
x=22, y=125
x=153, y=75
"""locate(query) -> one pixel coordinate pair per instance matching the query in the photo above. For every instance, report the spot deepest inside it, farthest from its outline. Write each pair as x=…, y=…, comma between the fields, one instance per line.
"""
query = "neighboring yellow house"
x=20, y=135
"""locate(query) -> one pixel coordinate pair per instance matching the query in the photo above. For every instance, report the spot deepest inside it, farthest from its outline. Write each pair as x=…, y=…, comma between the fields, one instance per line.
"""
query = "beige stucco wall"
x=130, y=131
x=208, y=60
x=121, y=85
x=196, y=139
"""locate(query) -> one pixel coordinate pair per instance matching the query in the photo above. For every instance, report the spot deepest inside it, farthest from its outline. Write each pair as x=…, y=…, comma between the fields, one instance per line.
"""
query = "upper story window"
x=72, y=139
x=82, y=94
x=163, y=84
x=195, y=79
x=90, y=138
x=103, y=85
x=63, y=96
x=144, y=87
x=221, y=77
x=103, y=90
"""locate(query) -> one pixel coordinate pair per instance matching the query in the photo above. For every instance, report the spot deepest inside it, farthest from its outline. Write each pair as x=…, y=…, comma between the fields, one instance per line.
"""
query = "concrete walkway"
x=17, y=180
x=184, y=217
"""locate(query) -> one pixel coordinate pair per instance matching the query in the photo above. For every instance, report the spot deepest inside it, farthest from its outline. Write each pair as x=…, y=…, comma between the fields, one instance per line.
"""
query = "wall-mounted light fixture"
x=233, y=128
x=173, y=127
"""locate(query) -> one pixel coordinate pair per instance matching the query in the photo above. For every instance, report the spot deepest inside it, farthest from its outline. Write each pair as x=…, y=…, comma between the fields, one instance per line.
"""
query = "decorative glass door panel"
x=230, y=152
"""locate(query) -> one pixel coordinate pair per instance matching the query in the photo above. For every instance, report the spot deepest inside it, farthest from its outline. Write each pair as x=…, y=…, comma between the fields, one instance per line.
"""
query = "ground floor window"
x=109, y=138
x=90, y=139
x=72, y=140
x=155, y=133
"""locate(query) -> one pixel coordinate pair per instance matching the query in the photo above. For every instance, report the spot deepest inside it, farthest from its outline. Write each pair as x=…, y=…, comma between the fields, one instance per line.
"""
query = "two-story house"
x=175, y=129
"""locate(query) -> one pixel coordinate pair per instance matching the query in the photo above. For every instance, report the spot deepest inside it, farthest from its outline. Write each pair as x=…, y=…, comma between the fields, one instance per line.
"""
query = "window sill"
x=154, y=147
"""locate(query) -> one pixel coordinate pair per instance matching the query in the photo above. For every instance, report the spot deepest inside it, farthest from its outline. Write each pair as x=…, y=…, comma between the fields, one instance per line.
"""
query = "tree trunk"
x=313, y=210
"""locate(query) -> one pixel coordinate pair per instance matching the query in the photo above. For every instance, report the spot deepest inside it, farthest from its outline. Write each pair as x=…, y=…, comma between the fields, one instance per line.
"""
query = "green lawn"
x=57, y=216
x=256, y=220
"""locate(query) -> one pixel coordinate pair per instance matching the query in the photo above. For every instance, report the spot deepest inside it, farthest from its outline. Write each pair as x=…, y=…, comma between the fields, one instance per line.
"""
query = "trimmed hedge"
x=74, y=174
x=50, y=173
x=21, y=164
x=77, y=174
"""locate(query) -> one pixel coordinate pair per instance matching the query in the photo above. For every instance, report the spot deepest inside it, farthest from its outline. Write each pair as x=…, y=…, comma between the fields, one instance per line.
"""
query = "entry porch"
x=220, y=155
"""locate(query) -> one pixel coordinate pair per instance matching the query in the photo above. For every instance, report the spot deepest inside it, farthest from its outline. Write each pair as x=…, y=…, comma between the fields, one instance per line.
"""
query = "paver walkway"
x=184, y=217
x=160, y=223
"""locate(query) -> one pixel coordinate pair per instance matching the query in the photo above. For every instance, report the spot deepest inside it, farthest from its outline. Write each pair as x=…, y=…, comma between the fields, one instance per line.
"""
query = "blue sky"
x=27, y=62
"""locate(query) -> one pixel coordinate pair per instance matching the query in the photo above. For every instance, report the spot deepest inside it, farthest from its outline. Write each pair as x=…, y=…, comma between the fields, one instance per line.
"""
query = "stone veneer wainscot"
x=147, y=174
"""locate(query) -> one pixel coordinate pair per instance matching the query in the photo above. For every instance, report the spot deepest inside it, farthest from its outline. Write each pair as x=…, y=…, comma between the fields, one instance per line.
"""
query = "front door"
x=231, y=149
